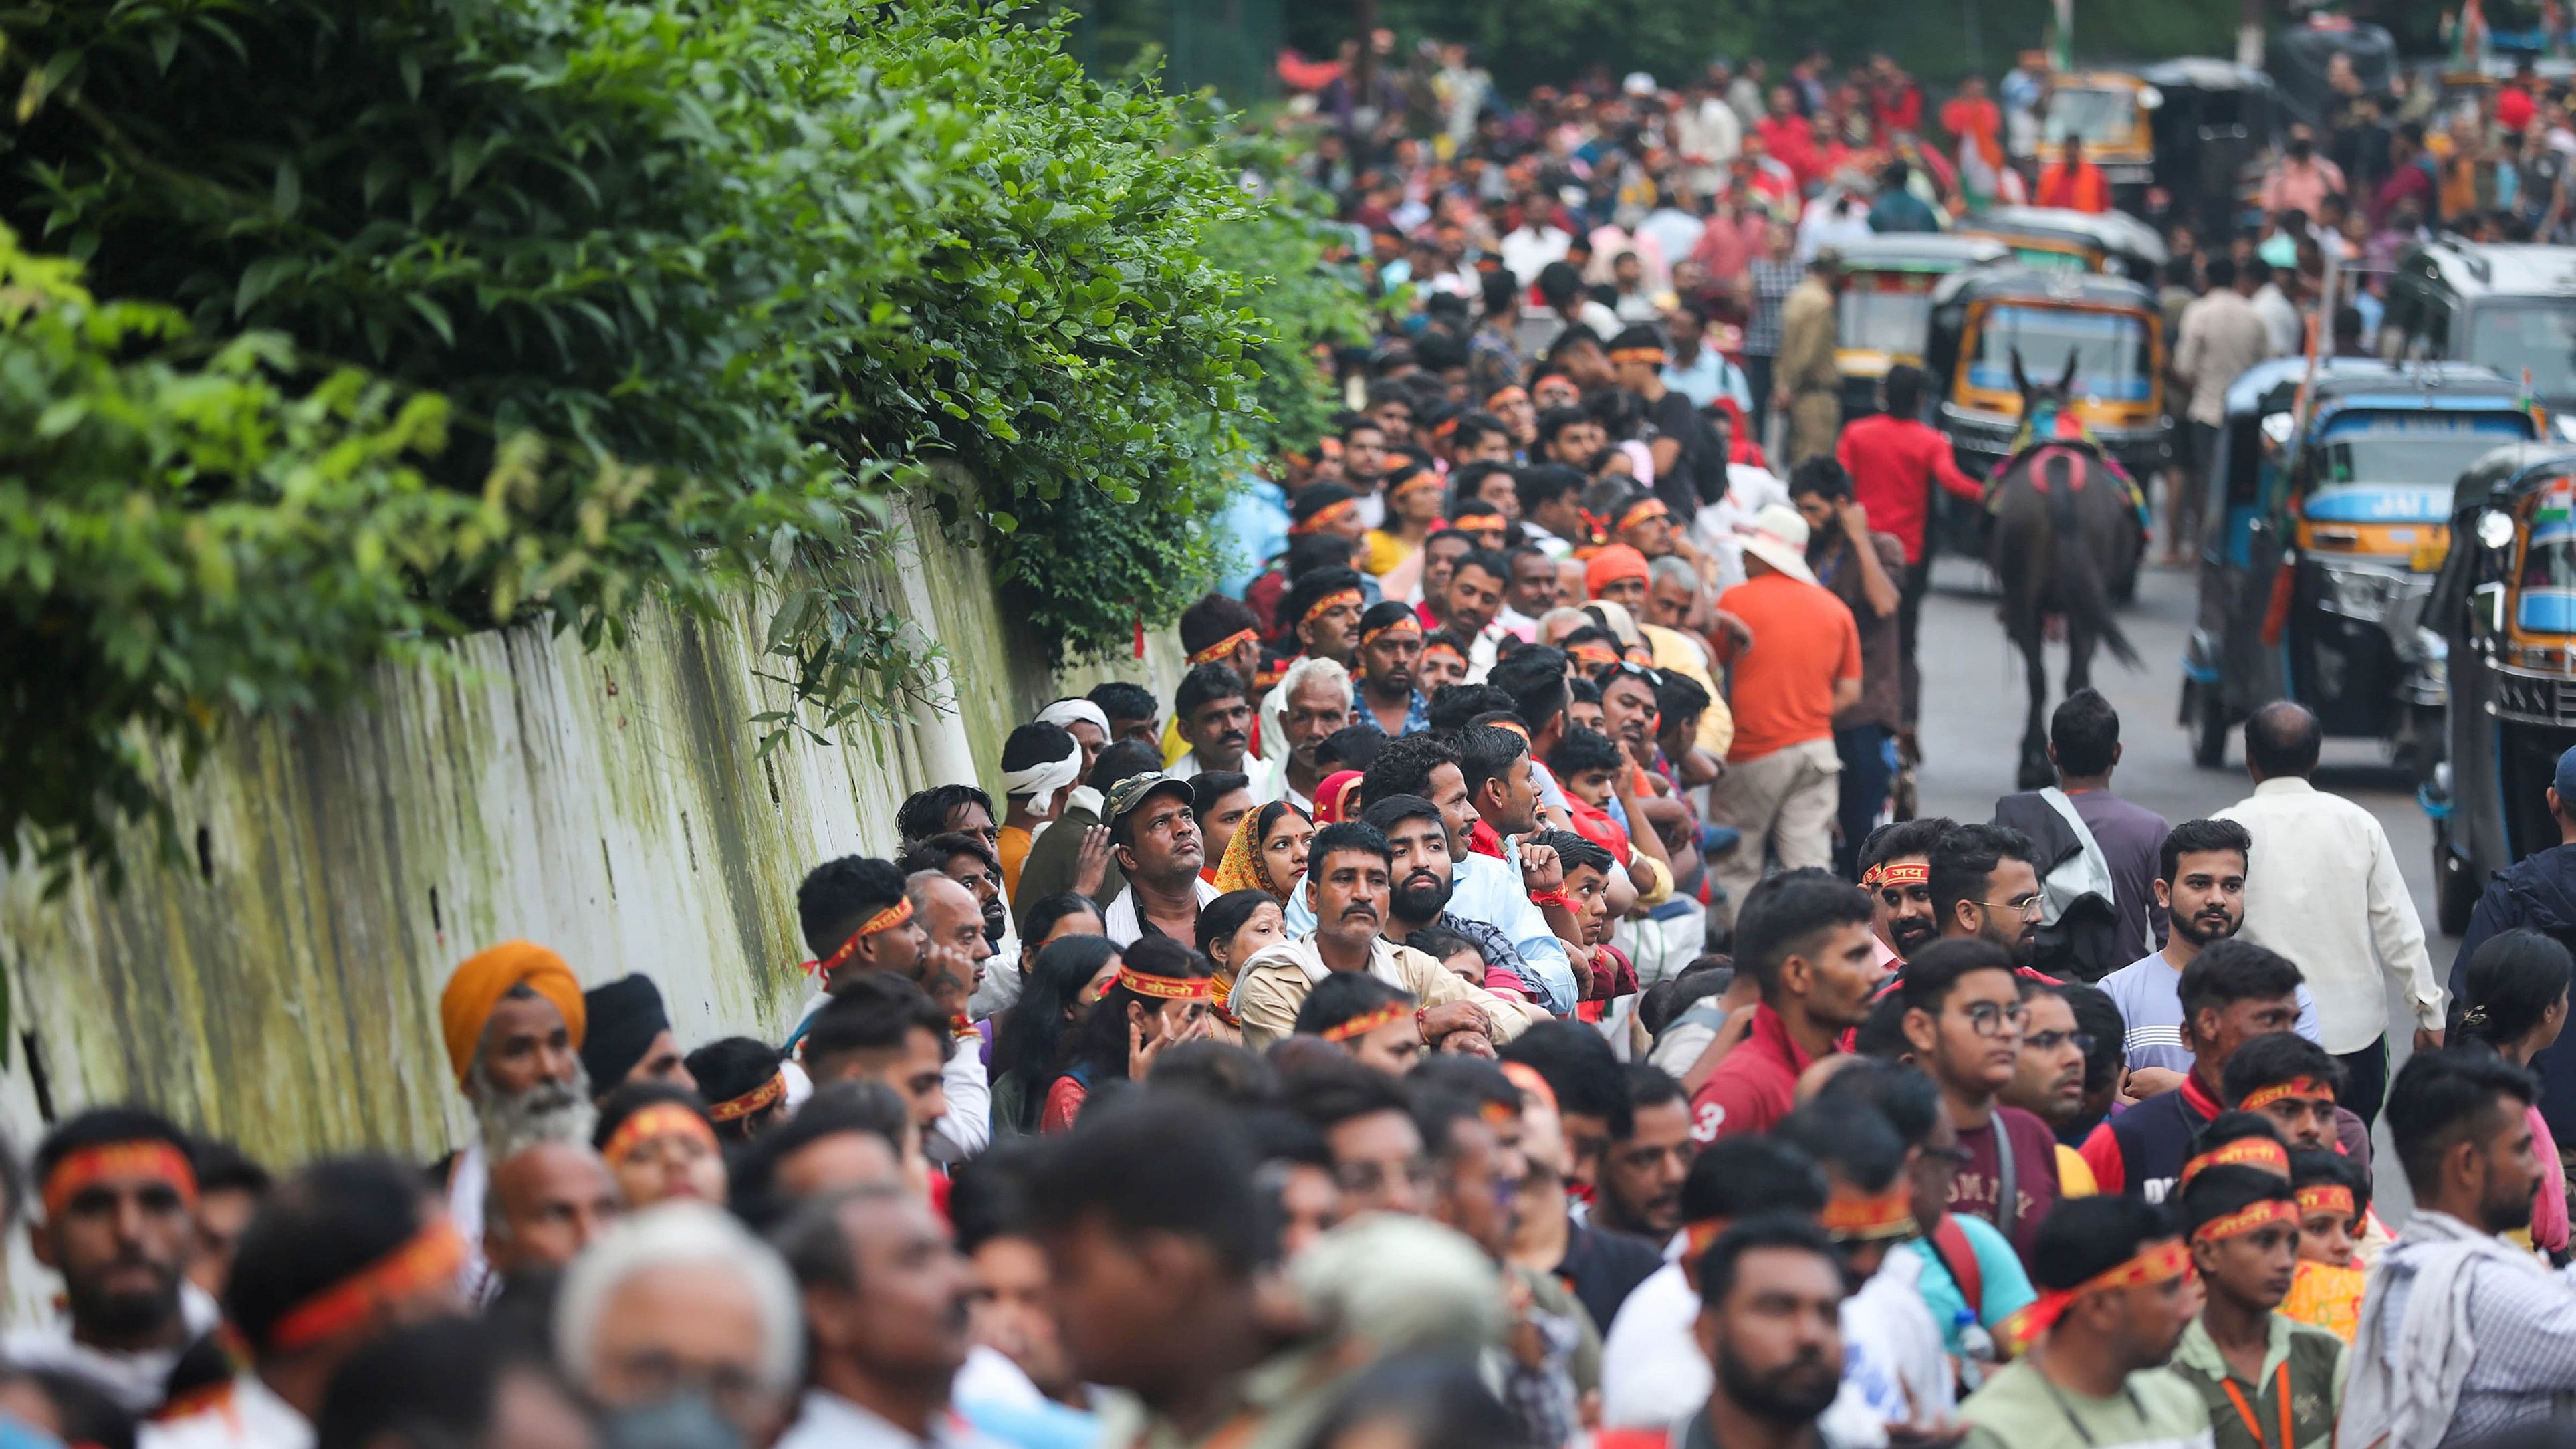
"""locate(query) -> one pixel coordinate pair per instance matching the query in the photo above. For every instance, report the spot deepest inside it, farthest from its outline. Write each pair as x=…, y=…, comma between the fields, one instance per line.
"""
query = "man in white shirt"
x=2271, y=302
x=2323, y=889
x=1533, y=244
x=885, y=1295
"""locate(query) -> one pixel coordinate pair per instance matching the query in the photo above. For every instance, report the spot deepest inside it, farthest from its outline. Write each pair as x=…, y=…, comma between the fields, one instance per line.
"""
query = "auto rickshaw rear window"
x=2549, y=554
x=2113, y=359
x=2414, y=457
x=2534, y=334
x=2102, y=117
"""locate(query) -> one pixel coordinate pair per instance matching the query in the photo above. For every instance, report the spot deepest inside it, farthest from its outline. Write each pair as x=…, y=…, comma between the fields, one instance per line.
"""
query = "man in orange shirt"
x=1781, y=783
x=2075, y=183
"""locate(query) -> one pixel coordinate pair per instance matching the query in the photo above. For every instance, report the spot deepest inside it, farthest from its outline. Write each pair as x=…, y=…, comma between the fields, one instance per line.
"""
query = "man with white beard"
x=513, y=1019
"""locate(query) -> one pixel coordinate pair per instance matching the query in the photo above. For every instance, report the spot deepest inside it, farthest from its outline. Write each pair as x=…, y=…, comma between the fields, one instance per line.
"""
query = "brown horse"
x=2062, y=527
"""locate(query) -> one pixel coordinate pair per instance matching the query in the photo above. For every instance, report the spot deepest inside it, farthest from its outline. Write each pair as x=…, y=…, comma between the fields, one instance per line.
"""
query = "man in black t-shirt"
x=1680, y=444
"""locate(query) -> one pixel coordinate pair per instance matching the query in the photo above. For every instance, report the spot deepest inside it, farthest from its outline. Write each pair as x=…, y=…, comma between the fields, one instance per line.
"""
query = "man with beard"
x=514, y=1021
x=1155, y=836
x=1473, y=606
x=118, y=1185
x=1771, y=1296
x=1642, y=1173
x=2461, y=1123
x=1424, y=878
x=1805, y=939
x=2200, y=882
x=1985, y=884
x=2243, y=1227
x=1390, y=648
x=2049, y=1076
x=1896, y=870
x=2115, y=1296
x=1532, y=590
x=886, y=1315
x=1347, y=870
x=1312, y=701
x=1215, y=717
x=2231, y=993
x=1964, y=1019
x=629, y=1037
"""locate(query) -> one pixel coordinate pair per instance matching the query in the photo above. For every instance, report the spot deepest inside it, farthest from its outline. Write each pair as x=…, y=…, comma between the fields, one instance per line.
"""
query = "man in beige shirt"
x=1348, y=875
x=1810, y=383
x=2222, y=336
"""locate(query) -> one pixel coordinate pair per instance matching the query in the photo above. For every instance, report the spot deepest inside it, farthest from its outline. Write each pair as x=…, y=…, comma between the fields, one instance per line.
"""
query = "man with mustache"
x=1154, y=834
x=1896, y=870
x=887, y=1301
x=1424, y=876
x=1984, y=883
x=2200, y=882
x=1771, y=1294
x=1390, y=652
x=1215, y=717
x=1347, y=873
x=514, y=1020
x=119, y=1189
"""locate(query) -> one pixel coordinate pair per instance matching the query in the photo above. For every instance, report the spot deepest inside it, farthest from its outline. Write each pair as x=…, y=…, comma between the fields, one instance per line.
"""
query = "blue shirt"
x=1251, y=530
x=2006, y=1289
x=1709, y=377
x=1489, y=890
x=1417, y=713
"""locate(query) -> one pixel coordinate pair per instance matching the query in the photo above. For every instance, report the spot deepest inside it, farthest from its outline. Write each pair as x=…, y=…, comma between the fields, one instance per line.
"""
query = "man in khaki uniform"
x=1810, y=384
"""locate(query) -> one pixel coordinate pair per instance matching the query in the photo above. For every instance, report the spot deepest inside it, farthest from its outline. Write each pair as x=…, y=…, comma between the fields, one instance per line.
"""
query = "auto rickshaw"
x=2112, y=112
x=1886, y=304
x=1980, y=318
x=2053, y=239
x=2504, y=605
x=2219, y=124
x=2321, y=548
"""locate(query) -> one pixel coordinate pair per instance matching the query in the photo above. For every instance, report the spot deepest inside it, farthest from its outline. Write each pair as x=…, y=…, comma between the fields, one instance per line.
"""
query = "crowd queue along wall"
x=279, y=984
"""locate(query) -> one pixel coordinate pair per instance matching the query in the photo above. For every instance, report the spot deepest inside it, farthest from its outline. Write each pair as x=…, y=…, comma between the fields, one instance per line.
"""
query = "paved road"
x=1972, y=716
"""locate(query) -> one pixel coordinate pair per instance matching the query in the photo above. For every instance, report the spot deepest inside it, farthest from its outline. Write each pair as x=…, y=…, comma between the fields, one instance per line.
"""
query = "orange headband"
x=734, y=1109
x=1225, y=646
x=1697, y=1236
x=1425, y=478
x=662, y=1119
x=2249, y=1219
x=1447, y=426
x=90, y=1165
x=1635, y=354
x=2260, y=1152
x=1405, y=625
x=1504, y=397
x=1513, y=725
x=2297, y=1089
x=2326, y=1198
x=1643, y=510
x=1444, y=646
x=1369, y=1021
x=1870, y=1216
x=1330, y=602
x=885, y=920
x=434, y=1255
x=1168, y=988
x=1870, y=878
x=1595, y=654
x=1526, y=1077
x=1906, y=873
x=1326, y=516
x=2162, y=1263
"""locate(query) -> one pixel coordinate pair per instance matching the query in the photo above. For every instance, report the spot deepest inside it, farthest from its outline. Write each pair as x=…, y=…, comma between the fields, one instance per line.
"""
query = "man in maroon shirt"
x=1804, y=938
x=1894, y=460
x=2410, y=178
x=1963, y=1017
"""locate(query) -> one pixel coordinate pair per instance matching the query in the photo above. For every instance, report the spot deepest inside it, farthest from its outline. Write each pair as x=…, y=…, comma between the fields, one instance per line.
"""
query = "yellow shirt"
x=2074, y=1178
x=1012, y=844
x=1384, y=552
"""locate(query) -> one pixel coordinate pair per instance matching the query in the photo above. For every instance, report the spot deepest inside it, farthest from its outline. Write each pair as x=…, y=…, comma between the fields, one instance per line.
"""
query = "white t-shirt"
x=1652, y=1372
x=1893, y=1369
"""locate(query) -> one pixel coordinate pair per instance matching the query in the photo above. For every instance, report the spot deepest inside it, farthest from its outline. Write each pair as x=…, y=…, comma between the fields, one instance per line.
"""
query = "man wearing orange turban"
x=513, y=1020
x=1617, y=573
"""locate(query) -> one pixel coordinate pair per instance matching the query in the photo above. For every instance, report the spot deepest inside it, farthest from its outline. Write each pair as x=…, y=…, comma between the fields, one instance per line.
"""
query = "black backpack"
x=2084, y=943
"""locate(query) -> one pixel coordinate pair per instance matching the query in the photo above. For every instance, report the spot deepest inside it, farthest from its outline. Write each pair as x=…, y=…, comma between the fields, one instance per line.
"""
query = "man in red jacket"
x=1894, y=460
x=1806, y=941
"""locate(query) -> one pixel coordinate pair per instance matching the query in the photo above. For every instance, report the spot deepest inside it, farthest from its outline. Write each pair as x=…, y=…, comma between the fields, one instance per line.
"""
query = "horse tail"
x=2079, y=574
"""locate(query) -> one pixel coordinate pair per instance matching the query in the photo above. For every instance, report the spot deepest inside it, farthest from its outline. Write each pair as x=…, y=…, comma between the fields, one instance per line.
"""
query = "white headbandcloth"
x=1064, y=712
x=1042, y=780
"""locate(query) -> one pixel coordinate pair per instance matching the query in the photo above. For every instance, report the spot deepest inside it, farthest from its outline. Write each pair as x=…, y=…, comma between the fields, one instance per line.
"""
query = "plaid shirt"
x=1772, y=282
x=1417, y=712
x=2524, y=1326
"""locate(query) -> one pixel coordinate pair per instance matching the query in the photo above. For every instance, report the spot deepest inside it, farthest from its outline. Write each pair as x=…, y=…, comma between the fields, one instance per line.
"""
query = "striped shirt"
x=1772, y=283
x=2147, y=991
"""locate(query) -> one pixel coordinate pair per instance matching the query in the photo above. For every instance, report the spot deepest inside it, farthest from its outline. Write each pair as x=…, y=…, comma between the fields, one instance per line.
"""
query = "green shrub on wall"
x=692, y=284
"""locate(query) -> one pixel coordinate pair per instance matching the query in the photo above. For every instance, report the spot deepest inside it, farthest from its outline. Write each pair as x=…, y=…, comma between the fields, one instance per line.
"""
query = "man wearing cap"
x=1390, y=650
x=1683, y=457
x=514, y=1020
x=1156, y=839
x=1806, y=381
x=119, y=1189
x=1803, y=666
x=629, y=1039
x=2538, y=893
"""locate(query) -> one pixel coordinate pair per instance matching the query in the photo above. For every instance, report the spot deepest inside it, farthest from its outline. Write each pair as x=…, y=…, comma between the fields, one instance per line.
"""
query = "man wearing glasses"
x=2048, y=1076
x=1985, y=886
x=1964, y=1018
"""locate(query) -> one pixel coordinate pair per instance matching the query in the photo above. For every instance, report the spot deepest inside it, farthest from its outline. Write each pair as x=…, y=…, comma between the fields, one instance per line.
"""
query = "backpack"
x=2084, y=942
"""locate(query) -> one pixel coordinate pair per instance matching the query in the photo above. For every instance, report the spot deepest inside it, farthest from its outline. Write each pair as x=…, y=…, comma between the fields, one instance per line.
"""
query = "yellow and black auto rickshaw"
x=2113, y=113
x=2054, y=239
x=1886, y=307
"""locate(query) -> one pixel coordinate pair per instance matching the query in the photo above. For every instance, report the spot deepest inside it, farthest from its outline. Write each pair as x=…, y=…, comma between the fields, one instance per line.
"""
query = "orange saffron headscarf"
x=481, y=980
x=1611, y=564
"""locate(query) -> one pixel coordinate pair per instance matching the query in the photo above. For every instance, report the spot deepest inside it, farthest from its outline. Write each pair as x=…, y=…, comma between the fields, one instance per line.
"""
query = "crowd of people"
x=1489, y=1001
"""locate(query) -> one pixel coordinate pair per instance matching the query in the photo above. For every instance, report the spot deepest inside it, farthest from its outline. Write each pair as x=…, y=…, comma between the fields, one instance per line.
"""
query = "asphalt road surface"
x=1973, y=708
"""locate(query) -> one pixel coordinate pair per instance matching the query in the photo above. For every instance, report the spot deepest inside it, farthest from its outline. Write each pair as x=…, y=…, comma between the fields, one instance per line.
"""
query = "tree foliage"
x=689, y=283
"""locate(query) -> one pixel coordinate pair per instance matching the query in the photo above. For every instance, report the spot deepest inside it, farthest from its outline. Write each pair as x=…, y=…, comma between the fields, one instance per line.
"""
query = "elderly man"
x=1347, y=885
x=886, y=1311
x=629, y=1037
x=679, y=1295
x=118, y=1185
x=547, y=1201
x=1314, y=700
x=514, y=1021
x=341, y=1255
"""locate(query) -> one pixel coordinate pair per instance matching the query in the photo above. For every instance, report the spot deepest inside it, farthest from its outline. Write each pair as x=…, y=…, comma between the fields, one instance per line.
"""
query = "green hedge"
x=691, y=284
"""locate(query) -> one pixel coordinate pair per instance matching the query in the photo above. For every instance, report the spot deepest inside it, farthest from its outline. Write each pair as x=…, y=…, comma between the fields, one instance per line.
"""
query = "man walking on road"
x=1809, y=384
x=2538, y=893
x=2322, y=888
x=2220, y=337
x=1894, y=459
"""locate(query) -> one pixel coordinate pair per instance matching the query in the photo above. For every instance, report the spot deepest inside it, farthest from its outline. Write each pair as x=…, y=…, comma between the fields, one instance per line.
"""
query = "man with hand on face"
x=514, y=1021
x=1805, y=940
x=2115, y=1297
x=1347, y=886
x=2200, y=881
x=1390, y=650
x=118, y=1186
x=1964, y=1019
x=2231, y=993
x=1896, y=870
x=1155, y=836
